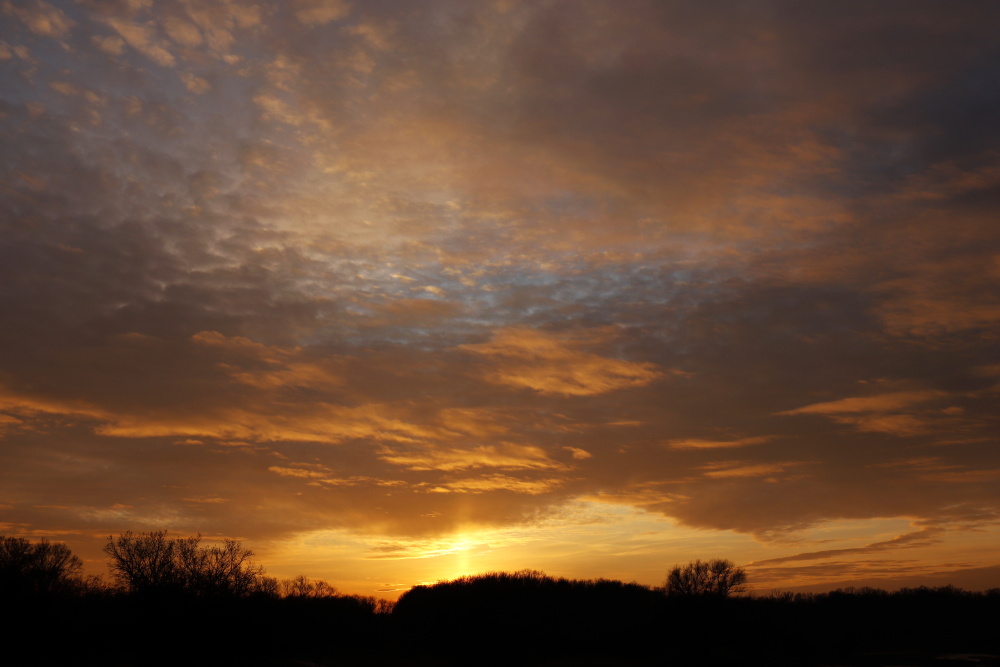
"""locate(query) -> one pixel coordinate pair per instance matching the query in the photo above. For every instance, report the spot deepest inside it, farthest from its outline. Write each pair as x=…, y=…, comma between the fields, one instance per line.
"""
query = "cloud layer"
x=271, y=268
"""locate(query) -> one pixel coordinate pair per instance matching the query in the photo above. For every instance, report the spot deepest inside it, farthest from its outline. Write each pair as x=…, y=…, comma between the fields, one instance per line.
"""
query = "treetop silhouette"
x=718, y=578
x=154, y=564
x=42, y=567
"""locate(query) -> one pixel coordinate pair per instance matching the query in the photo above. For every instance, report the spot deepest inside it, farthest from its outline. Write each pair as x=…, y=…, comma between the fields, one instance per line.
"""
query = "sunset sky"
x=400, y=290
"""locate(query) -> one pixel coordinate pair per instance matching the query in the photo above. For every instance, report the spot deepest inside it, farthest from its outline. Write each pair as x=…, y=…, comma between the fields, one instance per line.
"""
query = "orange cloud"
x=320, y=12
x=876, y=414
x=727, y=469
x=297, y=472
x=554, y=364
x=143, y=38
x=878, y=403
x=901, y=425
x=471, y=421
x=41, y=17
x=488, y=483
x=28, y=405
x=695, y=443
x=317, y=422
x=915, y=540
x=921, y=306
x=504, y=455
x=964, y=476
x=579, y=454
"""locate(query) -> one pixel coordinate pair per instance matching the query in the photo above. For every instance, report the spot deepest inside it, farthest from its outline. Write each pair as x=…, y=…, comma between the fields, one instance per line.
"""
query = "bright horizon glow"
x=590, y=540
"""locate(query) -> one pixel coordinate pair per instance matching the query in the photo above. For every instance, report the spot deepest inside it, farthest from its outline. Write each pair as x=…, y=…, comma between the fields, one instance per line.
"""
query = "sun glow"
x=588, y=539
x=584, y=539
x=457, y=557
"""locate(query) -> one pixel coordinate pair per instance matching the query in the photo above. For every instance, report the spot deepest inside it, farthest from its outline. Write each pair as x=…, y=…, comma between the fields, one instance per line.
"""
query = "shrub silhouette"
x=717, y=578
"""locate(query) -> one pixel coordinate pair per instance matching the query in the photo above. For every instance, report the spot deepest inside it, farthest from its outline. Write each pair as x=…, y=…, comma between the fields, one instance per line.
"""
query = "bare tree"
x=32, y=568
x=715, y=578
x=144, y=563
x=304, y=587
x=152, y=563
x=218, y=571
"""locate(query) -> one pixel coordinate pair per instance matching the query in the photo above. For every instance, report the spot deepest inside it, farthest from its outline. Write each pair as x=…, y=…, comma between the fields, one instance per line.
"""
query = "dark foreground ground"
x=547, y=623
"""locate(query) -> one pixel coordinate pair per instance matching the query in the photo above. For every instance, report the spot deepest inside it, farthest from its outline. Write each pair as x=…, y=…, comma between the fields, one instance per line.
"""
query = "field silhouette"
x=523, y=617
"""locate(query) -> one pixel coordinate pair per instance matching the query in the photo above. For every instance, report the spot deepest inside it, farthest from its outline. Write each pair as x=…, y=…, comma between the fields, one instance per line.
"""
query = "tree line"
x=152, y=564
x=147, y=565
x=217, y=597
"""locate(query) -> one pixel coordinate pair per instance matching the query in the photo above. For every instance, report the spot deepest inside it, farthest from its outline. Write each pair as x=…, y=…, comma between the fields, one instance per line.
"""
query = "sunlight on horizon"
x=585, y=539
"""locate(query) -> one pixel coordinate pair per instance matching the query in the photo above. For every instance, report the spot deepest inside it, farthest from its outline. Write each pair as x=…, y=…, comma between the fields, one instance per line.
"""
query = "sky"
x=396, y=291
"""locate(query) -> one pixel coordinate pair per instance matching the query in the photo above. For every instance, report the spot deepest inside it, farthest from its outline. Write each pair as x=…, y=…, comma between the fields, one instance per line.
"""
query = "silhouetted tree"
x=143, y=563
x=153, y=564
x=34, y=568
x=225, y=571
x=532, y=613
x=304, y=587
x=717, y=578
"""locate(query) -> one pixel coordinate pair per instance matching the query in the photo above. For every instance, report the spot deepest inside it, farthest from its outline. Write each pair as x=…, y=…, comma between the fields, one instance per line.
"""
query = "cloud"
x=271, y=367
x=914, y=540
x=931, y=305
x=33, y=405
x=964, y=476
x=287, y=111
x=321, y=12
x=297, y=472
x=478, y=422
x=695, y=443
x=863, y=404
x=875, y=414
x=490, y=483
x=728, y=469
x=579, y=454
x=377, y=35
x=196, y=84
x=901, y=425
x=40, y=17
x=143, y=38
x=65, y=88
x=322, y=423
x=182, y=32
x=553, y=364
x=504, y=455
